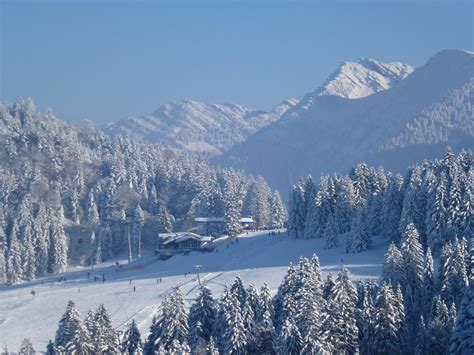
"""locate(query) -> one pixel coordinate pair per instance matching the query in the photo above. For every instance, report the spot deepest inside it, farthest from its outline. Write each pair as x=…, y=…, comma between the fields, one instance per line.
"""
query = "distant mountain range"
x=338, y=125
x=206, y=129
x=381, y=113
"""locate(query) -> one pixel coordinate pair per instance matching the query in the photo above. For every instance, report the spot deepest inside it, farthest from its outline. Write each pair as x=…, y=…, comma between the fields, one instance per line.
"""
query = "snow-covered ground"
x=256, y=257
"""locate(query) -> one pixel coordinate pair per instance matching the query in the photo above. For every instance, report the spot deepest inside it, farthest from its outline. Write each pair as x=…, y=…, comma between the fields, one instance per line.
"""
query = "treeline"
x=436, y=196
x=414, y=309
x=59, y=181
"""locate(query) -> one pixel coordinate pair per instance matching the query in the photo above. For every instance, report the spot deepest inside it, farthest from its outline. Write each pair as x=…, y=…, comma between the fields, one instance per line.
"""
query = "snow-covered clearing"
x=256, y=257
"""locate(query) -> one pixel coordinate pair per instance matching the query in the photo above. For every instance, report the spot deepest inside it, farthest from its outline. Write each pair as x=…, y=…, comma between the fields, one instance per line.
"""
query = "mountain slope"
x=258, y=258
x=204, y=128
x=363, y=77
x=326, y=133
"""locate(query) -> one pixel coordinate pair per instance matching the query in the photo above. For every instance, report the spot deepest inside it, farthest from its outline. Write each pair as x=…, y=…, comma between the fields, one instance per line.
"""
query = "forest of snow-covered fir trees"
x=437, y=197
x=68, y=183
x=414, y=309
x=59, y=182
x=76, y=181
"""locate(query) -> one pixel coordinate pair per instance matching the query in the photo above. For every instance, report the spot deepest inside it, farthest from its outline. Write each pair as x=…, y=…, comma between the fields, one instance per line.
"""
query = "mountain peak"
x=363, y=77
x=451, y=57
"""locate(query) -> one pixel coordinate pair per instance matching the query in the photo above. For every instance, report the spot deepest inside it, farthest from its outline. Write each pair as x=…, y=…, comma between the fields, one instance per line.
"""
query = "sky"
x=105, y=60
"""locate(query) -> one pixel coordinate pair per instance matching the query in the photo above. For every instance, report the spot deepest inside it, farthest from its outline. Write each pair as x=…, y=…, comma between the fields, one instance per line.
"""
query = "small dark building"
x=170, y=244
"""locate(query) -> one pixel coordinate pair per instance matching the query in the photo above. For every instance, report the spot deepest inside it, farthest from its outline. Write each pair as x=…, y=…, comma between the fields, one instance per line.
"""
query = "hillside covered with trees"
x=69, y=191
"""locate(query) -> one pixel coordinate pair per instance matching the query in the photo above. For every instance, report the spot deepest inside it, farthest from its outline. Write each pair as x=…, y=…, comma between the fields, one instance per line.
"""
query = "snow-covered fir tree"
x=201, y=320
x=277, y=215
x=26, y=347
x=131, y=341
x=331, y=233
x=359, y=239
x=104, y=338
x=462, y=339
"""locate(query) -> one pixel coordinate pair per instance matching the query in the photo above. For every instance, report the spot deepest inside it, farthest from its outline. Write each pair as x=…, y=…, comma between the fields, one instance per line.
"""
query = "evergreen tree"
x=328, y=288
x=392, y=270
x=429, y=288
x=68, y=324
x=80, y=343
x=203, y=311
x=345, y=210
x=174, y=322
x=467, y=210
x=264, y=335
x=96, y=249
x=89, y=323
x=413, y=259
x=139, y=220
x=26, y=348
x=386, y=326
x=284, y=290
x=391, y=212
x=421, y=347
x=92, y=213
x=3, y=248
x=131, y=341
x=359, y=240
x=104, y=338
x=232, y=224
x=320, y=211
x=454, y=203
x=277, y=217
x=297, y=212
x=309, y=303
x=266, y=302
x=212, y=348
x=14, y=264
x=330, y=233
x=455, y=274
x=41, y=240
x=28, y=255
x=58, y=253
x=439, y=328
x=165, y=219
x=339, y=329
x=361, y=183
x=462, y=340
x=289, y=338
x=50, y=349
x=234, y=337
x=437, y=215
x=364, y=318
x=259, y=204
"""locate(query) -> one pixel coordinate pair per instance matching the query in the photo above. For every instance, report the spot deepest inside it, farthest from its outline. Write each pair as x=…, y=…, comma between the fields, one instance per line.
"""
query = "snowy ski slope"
x=256, y=257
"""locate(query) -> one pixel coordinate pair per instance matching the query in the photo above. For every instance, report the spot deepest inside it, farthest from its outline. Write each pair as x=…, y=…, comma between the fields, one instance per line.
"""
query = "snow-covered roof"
x=179, y=237
x=209, y=219
x=221, y=219
x=193, y=237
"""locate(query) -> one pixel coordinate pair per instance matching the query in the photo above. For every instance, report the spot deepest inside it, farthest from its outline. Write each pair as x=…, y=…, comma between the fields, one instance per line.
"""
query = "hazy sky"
x=103, y=60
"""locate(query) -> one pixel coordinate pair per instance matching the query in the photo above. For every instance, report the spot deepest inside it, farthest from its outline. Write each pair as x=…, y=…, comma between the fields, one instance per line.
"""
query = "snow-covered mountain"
x=368, y=111
x=363, y=77
x=209, y=129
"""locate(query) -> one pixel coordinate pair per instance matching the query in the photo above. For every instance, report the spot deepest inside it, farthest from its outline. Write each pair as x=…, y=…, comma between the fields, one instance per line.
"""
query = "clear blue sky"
x=103, y=60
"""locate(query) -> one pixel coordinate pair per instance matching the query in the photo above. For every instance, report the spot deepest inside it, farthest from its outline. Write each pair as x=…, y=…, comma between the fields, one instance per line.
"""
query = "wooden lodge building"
x=170, y=244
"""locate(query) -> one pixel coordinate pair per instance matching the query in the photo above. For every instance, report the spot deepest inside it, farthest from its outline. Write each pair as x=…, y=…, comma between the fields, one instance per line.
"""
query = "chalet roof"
x=221, y=220
x=209, y=219
x=180, y=237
